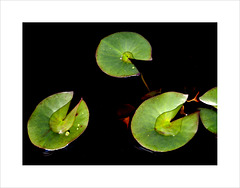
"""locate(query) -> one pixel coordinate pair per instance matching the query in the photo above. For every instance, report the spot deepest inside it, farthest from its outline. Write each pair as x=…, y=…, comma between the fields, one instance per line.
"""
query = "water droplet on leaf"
x=67, y=133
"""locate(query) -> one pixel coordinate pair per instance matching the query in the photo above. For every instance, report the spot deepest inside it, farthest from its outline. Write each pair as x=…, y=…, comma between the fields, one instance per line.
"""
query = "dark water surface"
x=61, y=57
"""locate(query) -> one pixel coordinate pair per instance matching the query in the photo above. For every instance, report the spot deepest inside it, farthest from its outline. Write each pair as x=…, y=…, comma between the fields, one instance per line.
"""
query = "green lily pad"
x=210, y=97
x=163, y=108
x=209, y=119
x=114, y=53
x=51, y=128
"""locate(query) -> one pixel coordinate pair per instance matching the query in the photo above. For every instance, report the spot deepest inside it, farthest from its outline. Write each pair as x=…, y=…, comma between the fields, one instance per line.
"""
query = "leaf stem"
x=144, y=82
x=194, y=99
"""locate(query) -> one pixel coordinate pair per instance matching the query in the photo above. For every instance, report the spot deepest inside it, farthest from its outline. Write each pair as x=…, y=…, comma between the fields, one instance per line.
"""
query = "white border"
x=225, y=174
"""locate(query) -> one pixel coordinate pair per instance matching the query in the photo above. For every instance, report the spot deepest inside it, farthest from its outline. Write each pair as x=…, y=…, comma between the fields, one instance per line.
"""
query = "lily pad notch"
x=51, y=128
x=114, y=53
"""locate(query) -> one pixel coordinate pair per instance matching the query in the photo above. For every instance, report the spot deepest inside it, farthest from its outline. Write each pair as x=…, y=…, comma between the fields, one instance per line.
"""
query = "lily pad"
x=114, y=53
x=145, y=128
x=210, y=97
x=209, y=119
x=51, y=128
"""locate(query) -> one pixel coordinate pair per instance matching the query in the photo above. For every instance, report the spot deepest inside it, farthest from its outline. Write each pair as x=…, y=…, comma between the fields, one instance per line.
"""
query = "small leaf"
x=114, y=53
x=49, y=126
x=151, y=94
x=125, y=110
x=209, y=119
x=210, y=97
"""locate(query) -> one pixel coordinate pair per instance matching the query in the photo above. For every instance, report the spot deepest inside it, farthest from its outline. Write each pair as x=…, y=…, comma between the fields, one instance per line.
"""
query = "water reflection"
x=143, y=149
x=47, y=153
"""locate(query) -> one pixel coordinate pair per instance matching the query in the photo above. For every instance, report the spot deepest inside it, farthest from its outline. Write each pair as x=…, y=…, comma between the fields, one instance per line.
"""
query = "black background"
x=61, y=57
